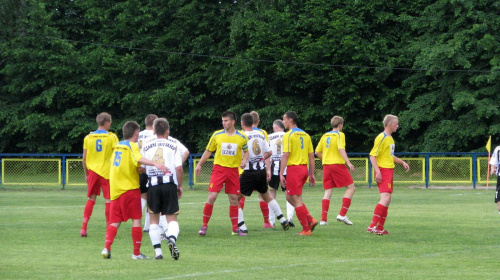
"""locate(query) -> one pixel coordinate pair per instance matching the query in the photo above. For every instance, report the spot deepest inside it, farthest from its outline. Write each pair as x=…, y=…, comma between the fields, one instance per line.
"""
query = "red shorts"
x=127, y=206
x=386, y=186
x=296, y=177
x=336, y=176
x=227, y=176
x=94, y=184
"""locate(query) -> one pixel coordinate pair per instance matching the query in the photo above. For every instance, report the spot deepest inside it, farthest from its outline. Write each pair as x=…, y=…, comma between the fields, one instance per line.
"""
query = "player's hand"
x=312, y=180
x=283, y=181
x=378, y=177
x=198, y=170
x=162, y=167
x=268, y=175
x=351, y=167
x=406, y=166
x=179, y=192
x=243, y=164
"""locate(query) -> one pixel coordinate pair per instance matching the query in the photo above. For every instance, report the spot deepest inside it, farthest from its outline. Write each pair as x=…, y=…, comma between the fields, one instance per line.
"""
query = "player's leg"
x=275, y=208
x=264, y=208
x=325, y=205
x=346, y=203
x=155, y=234
x=241, y=219
x=272, y=215
x=172, y=235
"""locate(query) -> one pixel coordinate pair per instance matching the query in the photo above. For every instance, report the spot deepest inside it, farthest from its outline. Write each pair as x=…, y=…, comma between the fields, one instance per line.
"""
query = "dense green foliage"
x=433, y=63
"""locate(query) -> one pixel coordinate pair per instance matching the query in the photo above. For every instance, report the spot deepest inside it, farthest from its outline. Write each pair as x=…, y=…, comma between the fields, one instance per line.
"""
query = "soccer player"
x=143, y=178
x=382, y=159
x=164, y=189
x=97, y=149
x=495, y=162
x=264, y=208
x=228, y=144
x=124, y=189
x=331, y=151
x=276, y=146
x=297, y=152
x=257, y=171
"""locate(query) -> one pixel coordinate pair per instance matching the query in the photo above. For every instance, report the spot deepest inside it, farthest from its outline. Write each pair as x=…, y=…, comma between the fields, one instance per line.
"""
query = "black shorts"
x=143, y=182
x=275, y=182
x=163, y=199
x=251, y=180
x=497, y=192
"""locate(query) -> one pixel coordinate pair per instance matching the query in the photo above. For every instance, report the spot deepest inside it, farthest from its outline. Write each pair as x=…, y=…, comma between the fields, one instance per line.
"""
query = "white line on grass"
x=322, y=262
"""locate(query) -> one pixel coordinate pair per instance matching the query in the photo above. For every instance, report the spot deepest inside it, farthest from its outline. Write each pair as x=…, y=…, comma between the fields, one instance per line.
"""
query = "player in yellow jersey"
x=124, y=189
x=97, y=149
x=231, y=152
x=297, y=153
x=382, y=159
x=331, y=151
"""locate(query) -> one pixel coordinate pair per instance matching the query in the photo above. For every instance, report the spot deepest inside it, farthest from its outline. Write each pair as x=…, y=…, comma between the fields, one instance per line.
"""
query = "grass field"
x=435, y=234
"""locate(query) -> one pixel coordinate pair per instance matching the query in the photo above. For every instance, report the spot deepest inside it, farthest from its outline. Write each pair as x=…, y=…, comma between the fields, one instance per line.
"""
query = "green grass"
x=435, y=234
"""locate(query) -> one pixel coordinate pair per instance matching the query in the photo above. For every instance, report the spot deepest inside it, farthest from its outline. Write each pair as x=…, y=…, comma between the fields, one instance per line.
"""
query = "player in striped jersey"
x=297, y=153
x=382, y=159
x=97, y=149
x=231, y=152
x=257, y=171
x=331, y=151
x=143, y=178
x=276, y=146
x=164, y=190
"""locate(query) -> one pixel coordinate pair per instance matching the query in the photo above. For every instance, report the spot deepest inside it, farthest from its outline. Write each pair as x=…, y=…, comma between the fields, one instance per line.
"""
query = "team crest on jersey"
x=228, y=150
x=389, y=186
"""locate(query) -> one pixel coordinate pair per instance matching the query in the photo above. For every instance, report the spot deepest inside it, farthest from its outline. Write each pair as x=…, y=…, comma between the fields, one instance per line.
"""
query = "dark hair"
x=129, y=128
x=150, y=119
x=247, y=119
x=160, y=126
x=229, y=114
x=292, y=115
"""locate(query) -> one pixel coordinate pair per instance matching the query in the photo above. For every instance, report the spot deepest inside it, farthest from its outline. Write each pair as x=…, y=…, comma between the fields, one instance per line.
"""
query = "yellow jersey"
x=383, y=150
x=298, y=143
x=123, y=173
x=329, y=146
x=99, y=145
x=227, y=148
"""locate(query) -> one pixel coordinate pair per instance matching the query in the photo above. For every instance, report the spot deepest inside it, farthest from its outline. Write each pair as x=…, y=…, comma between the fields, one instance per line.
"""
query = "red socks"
x=242, y=202
x=325, y=205
x=207, y=213
x=302, y=216
x=110, y=237
x=233, y=215
x=265, y=211
x=346, y=202
x=137, y=239
x=378, y=214
x=87, y=212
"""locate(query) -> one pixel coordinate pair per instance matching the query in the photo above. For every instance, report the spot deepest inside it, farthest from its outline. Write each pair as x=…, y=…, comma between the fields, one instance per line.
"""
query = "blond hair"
x=102, y=118
x=336, y=121
x=389, y=119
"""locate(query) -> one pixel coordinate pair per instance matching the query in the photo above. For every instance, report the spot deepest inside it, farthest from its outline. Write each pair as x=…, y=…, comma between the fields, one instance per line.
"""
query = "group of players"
x=244, y=160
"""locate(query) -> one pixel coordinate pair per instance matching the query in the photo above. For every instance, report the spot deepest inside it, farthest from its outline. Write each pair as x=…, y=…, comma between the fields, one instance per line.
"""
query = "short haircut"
x=279, y=123
x=388, y=119
x=336, y=121
x=229, y=114
x=247, y=119
x=255, y=116
x=150, y=119
x=293, y=116
x=160, y=126
x=129, y=128
x=102, y=118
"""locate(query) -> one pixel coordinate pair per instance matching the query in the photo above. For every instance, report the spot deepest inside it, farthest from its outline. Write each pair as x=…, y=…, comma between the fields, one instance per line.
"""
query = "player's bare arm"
x=284, y=161
x=402, y=162
x=378, y=175
x=203, y=159
x=343, y=154
x=180, y=174
x=312, y=179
